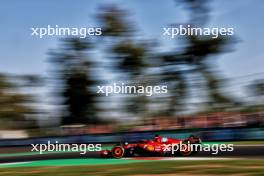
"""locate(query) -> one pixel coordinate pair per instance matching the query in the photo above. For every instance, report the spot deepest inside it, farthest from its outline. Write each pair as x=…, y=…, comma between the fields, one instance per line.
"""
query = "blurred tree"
x=129, y=53
x=131, y=57
x=175, y=67
x=199, y=50
x=14, y=106
x=193, y=59
x=74, y=75
x=114, y=21
x=256, y=88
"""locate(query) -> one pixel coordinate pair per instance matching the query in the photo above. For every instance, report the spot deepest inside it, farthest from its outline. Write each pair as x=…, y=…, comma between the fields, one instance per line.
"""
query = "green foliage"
x=13, y=105
x=257, y=88
x=73, y=70
x=131, y=56
x=114, y=21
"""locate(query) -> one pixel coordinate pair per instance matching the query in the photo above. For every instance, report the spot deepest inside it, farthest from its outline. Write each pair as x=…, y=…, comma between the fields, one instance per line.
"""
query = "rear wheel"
x=186, y=150
x=118, y=152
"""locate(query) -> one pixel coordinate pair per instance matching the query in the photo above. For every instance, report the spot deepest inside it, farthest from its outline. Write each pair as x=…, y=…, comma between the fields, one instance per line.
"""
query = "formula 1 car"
x=159, y=146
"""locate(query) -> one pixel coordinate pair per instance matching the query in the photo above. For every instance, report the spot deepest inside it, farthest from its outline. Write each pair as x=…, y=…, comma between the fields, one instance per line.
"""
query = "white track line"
x=197, y=158
x=179, y=158
x=3, y=164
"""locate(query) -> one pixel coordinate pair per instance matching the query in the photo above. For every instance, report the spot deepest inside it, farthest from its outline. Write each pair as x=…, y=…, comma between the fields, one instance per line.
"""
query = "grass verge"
x=220, y=167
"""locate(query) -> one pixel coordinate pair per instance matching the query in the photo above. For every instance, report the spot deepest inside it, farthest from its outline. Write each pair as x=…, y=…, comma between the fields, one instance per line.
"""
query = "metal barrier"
x=211, y=134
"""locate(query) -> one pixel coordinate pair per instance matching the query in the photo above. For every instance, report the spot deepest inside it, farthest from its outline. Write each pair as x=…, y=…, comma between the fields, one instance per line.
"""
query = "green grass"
x=220, y=167
x=70, y=162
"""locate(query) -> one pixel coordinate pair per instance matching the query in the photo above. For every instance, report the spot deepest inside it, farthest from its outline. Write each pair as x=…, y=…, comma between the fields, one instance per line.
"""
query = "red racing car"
x=159, y=146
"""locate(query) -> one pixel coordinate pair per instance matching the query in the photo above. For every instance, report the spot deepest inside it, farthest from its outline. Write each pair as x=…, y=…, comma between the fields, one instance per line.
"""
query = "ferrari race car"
x=159, y=146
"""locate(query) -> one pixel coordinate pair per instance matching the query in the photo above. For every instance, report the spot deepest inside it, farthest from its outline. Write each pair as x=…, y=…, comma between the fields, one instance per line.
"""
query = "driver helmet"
x=164, y=139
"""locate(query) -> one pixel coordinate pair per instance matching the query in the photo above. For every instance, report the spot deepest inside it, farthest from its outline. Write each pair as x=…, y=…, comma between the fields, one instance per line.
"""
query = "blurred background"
x=48, y=86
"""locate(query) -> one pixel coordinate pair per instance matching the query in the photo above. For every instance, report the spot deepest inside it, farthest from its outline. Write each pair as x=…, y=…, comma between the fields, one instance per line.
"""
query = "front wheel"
x=118, y=152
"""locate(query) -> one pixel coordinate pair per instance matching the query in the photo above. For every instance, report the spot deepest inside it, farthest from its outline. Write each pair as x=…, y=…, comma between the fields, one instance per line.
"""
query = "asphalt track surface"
x=240, y=151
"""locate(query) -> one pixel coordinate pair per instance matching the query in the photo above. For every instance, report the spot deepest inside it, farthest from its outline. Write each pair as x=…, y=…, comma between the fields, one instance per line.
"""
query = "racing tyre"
x=118, y=152
x=186, y=151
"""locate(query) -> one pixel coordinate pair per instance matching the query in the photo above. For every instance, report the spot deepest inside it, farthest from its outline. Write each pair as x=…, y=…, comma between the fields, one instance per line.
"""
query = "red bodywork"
x=157, y=146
